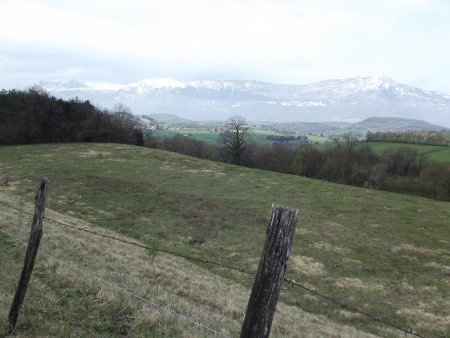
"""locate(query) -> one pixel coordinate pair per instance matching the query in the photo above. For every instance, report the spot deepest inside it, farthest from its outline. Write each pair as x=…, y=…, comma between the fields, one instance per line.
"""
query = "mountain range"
x=348, y=100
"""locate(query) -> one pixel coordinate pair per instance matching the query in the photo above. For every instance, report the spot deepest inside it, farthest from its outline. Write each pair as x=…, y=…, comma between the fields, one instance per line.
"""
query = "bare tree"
x=128, y=124
x=346, y=141
x=234, y=137
x=122, y=115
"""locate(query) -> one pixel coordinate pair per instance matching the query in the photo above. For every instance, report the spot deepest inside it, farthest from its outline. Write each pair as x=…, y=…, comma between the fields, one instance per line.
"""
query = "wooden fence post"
x=33, y=245
x=272, y=265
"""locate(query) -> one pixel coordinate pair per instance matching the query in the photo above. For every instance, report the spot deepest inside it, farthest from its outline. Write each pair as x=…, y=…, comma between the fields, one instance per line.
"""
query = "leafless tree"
x=234, y=137
x=346, y=141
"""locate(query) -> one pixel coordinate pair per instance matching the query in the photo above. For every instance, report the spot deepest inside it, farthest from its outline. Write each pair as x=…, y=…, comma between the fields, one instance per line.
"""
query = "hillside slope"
x=74, y=288
x=392, y=124
x=383, y=252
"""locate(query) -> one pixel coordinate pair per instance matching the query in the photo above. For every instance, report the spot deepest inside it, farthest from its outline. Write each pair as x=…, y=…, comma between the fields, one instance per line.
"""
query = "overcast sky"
x=281, y=41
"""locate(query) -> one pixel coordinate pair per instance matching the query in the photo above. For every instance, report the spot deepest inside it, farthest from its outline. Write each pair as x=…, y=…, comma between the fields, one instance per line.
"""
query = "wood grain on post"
x=33, y=245
x=272, y=265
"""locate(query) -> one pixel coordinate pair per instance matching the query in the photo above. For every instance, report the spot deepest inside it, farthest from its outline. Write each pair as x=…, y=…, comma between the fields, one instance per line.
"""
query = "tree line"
x=430, y=137
x=33, y=116
x=345, y=160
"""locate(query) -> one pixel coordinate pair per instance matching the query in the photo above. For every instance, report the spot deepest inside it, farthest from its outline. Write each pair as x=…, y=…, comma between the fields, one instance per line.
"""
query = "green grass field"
x=440, y=153
x=200, y=135
x=384, y=252
x=318, y=139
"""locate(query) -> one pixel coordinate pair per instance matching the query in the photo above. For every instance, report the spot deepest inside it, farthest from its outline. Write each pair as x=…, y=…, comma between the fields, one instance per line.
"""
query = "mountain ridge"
x=348, y=100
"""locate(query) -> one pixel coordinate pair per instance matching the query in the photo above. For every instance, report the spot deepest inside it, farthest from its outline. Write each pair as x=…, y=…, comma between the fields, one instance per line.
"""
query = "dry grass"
x=411, y=249
x=356, y=283
x=426, y=317
x=170, y=281
x=331, y=248
x=94, y=153
x=445, y=269
x=306, y=265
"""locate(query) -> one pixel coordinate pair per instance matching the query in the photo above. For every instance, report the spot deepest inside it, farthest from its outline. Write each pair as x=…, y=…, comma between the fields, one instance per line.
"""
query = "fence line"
x=119, y=288
x=230, y=267
x=170, y=252
x=351, y=308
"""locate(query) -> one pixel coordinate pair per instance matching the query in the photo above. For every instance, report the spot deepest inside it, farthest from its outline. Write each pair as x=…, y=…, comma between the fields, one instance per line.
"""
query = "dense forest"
x=345, y=161
x=33, y=116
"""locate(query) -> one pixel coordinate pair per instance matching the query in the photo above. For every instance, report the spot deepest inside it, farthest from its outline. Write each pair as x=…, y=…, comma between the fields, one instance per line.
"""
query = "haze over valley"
x=347, y=100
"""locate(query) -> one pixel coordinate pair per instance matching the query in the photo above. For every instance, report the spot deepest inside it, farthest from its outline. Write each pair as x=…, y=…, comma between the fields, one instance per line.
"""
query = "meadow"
x=439, y=153
x=199, y=135
x=385, y=253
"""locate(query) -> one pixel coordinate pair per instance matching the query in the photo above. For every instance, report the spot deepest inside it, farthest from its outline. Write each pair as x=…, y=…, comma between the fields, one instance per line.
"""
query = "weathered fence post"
x=272, y=265
x=33, y=245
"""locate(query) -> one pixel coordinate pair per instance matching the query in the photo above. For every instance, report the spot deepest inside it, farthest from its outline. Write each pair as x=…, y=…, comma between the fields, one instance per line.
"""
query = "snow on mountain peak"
x=380, y=82
x=371, y=83
x=157, y=83
x=210, y=84
x=350, y=98
x=103, y=85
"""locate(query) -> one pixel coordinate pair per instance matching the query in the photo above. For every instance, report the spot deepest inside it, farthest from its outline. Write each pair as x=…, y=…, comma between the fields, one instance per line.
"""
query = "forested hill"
x=33, y=116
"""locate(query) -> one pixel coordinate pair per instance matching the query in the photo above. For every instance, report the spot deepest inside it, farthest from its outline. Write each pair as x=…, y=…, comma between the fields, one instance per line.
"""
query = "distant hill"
x=326, y=128
x=170, y=119
x=369, y=124
x=348, y=100
x=393, y=124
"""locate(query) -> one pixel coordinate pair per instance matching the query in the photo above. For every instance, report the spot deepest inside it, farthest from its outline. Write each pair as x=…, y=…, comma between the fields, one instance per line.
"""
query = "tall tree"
x=234, y=137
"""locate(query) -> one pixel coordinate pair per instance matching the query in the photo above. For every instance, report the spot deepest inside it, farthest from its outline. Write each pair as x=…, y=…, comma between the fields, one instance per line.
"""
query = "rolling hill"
x=392, y=124
x=383, y=252
x=170, y=119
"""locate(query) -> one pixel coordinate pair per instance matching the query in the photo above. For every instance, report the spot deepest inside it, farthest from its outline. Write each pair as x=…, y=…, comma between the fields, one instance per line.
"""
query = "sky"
x=280, y=41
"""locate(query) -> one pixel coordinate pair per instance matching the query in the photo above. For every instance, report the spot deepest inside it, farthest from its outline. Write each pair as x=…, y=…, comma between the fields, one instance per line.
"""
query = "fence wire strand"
x=378, y=319
x=291, y=282
x=123, y=290
x=170, y=252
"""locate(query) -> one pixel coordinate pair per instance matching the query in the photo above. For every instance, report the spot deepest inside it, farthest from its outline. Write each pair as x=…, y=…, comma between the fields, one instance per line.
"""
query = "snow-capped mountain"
x=333, y=100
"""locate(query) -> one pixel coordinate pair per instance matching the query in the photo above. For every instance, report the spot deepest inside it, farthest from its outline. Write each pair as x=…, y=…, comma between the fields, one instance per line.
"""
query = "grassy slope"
x=386, y=252
x=63, y=302
x=199, y=135
x=440, y=153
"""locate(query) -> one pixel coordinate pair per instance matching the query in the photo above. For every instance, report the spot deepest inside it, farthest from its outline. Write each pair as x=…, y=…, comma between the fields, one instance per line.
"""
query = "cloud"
x=282, y=41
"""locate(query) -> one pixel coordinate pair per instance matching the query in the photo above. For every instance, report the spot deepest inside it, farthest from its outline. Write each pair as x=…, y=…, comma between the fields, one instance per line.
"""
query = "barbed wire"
x=378, y=319
x=119, y=288
x=291, y=282
x=142, y=246
x=40, y=296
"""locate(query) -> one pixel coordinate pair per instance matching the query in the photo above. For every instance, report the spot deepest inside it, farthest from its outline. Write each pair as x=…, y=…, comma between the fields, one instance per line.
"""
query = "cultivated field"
x=385, y=253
